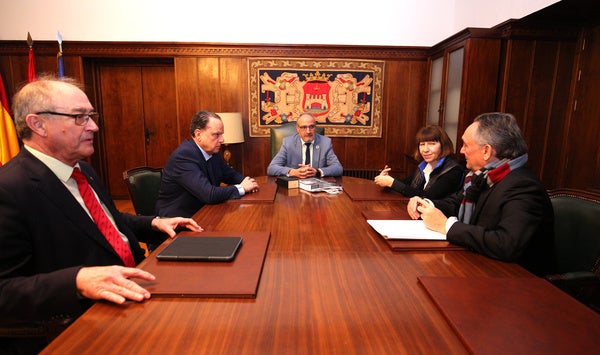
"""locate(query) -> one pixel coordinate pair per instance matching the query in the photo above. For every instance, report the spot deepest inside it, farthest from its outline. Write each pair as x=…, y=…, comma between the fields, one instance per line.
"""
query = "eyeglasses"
x=311, y=127
x=80, y=118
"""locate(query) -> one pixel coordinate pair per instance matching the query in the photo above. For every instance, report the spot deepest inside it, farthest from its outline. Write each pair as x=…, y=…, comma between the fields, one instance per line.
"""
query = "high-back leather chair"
x=143, y=184
x=577, y=244
x=282, y=131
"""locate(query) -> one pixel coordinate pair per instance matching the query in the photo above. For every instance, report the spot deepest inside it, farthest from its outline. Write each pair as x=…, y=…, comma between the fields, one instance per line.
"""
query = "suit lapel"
x=316, y=159
x=210, y=167
x=485, y=195
x=56, y=193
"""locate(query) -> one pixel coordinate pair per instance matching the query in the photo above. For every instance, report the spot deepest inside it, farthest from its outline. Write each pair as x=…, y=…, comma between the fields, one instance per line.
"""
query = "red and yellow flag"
x=9, y=143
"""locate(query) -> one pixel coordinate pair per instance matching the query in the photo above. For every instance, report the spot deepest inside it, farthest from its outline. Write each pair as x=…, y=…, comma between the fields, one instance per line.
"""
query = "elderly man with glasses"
x=64, y=243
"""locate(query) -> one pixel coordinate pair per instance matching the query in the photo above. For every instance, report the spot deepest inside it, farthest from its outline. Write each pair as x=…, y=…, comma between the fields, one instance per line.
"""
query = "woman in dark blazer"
x=438, y=174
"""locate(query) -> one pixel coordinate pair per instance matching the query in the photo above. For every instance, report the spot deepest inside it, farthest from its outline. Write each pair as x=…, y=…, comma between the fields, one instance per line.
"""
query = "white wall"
x=361, y=22
x=488, y=13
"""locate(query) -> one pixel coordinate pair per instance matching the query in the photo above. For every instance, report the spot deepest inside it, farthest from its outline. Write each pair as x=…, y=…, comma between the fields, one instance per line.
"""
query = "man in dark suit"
x=504, y=211
x=306, y=154
x=194, y=172
x=54, y=259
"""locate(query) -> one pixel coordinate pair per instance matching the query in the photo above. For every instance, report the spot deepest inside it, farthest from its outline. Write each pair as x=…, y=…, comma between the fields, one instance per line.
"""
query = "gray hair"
x=501, y=131
x=36, y=96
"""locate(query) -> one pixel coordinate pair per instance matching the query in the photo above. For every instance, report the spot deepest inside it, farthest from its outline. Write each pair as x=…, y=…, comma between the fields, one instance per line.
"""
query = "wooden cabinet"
x=463, y=80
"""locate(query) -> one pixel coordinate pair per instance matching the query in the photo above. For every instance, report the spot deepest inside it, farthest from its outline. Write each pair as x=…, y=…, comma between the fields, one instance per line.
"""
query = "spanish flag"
x=9, y=144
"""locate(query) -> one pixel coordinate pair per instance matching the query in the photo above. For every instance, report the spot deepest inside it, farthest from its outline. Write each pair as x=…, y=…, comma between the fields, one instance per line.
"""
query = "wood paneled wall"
x=548, y=79
x=215, y=77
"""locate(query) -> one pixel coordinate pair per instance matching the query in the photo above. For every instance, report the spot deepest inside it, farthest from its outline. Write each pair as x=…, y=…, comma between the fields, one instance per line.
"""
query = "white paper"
x=404, y=229
x=319, y=185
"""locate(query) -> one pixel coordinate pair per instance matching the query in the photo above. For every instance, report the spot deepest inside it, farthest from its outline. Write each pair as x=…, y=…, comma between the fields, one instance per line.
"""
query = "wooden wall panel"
x=398, y=134
x=416, y=109
x=542, y=85
x=405, y=101
x=536, y=89
x=480, y=75
x=209, y=83
x=515, y=83
x=554, y=156
x=160, y=113
x=233, y=84
x=582, y=168
x=188, y=93
x=122, y=124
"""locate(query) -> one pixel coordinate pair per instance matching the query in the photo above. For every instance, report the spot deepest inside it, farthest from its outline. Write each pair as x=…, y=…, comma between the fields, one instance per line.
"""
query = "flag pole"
x=59, y=56
x=31, y=76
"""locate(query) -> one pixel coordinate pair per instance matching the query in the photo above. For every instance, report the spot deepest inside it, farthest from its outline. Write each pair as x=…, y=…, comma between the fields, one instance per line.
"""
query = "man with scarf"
x=504, y=211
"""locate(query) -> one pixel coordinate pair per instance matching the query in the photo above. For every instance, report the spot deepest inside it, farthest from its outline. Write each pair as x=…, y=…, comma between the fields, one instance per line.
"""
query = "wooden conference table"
x=329, y=284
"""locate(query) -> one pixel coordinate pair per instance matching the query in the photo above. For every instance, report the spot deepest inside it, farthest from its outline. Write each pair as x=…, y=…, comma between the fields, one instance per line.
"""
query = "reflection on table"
x=330, y=284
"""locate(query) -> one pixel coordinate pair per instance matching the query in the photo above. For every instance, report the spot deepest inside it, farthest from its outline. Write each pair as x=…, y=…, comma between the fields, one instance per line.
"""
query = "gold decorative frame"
x=344, y=94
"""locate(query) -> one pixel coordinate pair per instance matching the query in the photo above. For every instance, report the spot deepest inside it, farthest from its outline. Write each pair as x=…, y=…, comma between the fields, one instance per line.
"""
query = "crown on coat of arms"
x=317, y=76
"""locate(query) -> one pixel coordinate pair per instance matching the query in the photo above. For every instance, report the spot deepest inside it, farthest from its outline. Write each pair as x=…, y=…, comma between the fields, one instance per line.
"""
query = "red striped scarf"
x=478, y=181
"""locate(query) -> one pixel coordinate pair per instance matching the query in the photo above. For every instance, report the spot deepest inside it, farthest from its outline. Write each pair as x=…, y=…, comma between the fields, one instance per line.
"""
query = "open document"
x=404, y=229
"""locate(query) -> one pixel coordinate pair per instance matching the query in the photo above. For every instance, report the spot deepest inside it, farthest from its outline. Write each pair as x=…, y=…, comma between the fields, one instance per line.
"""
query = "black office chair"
x=282, y=131
x=143, y=184
x=577, y=244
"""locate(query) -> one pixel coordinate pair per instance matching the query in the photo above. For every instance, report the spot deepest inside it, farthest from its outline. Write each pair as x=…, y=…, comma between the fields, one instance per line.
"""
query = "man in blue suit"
x=306, y=154
x=194, y=172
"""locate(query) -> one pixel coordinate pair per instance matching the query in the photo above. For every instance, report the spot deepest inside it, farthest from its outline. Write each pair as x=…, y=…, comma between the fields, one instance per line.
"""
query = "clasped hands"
x=433, y=218
x=304, y=171
x=113, y=283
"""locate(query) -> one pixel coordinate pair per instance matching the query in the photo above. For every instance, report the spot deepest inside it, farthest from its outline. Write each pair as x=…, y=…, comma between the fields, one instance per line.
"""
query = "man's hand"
x=433, y=218
x=249, y=184
x=303, y=171
x=411, y=207
x=168, y=225
x=112, y=283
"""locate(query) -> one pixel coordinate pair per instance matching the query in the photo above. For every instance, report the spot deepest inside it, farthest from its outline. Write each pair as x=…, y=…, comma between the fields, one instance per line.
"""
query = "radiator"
x=368, y=174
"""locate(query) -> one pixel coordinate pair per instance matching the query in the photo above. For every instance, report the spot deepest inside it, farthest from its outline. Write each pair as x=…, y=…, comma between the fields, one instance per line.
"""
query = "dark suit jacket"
x=189, y=182
x=512, y=221
x=290, y=155
x=444, y=180
x=46, y=237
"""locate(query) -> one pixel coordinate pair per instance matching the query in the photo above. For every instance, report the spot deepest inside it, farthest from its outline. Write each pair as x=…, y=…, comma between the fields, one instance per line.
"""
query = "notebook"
x=189, y=248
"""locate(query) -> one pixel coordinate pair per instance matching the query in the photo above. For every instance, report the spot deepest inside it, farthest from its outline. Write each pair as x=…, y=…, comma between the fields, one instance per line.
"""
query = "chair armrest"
x=574, y=280
x=582, y=285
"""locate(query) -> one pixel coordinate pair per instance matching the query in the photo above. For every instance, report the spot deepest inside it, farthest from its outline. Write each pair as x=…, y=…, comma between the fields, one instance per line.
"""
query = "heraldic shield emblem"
x=345, y=98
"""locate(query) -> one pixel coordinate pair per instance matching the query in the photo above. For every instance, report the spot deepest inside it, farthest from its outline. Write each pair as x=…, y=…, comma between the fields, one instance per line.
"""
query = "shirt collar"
x=423, y=164
x=60, y=169
x=204, y=154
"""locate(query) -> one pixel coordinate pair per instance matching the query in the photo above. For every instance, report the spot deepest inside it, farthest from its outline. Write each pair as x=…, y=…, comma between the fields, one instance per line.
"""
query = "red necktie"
x=101, y=219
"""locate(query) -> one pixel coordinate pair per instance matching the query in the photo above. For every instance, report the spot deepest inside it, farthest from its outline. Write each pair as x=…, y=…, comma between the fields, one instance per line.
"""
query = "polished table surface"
x=330, y=284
